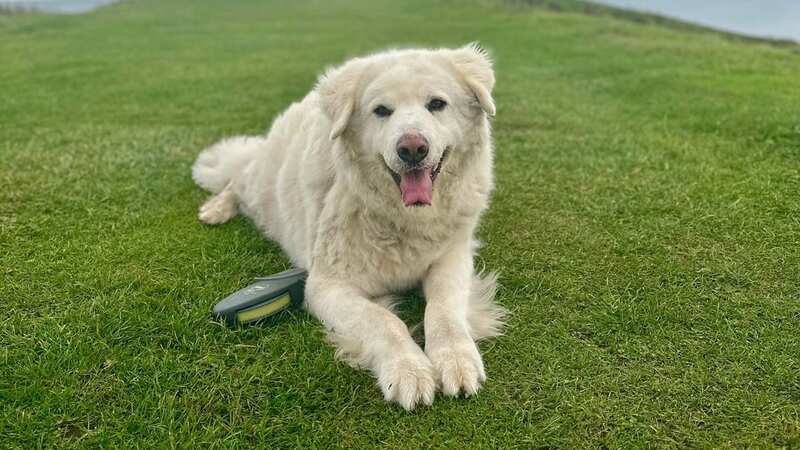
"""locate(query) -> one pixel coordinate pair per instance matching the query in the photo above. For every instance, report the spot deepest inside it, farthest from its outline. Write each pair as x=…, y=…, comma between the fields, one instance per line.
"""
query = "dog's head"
x=403, y=115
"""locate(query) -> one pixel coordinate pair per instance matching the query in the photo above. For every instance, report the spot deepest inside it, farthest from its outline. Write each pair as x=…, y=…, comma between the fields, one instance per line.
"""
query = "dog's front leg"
x=448, y=343
x=374, y=337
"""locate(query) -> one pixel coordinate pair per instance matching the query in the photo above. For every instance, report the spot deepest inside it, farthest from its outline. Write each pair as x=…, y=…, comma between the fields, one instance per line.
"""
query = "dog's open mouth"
x=416, y=185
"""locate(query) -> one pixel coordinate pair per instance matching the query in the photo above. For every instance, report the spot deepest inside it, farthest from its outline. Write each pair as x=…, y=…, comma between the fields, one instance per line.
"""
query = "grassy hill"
x=646, y=224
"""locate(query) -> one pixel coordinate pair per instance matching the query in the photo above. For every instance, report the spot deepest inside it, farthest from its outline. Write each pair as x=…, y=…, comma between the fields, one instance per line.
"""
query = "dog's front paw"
x=458, y=365
x=408, y=379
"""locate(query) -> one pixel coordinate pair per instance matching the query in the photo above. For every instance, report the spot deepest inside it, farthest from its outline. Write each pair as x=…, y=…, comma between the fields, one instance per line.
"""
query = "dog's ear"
x=337, y=91
x=474, y=65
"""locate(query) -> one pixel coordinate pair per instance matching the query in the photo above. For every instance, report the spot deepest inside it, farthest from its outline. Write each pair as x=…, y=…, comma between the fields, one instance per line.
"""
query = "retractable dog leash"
x=264, y=298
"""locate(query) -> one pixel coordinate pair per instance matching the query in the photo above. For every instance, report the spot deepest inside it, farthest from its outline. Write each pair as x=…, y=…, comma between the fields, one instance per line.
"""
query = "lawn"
x=646, y=225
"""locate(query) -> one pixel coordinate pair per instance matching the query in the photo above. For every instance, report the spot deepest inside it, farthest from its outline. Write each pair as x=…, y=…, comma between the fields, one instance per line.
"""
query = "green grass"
x=646, y=223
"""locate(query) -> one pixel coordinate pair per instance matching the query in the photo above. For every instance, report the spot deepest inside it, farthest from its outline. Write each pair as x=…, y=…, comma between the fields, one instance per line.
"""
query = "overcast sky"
x=767, y=18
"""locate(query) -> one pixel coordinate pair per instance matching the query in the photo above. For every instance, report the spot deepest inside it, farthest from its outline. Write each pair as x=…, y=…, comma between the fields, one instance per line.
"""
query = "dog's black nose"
x=412, y=148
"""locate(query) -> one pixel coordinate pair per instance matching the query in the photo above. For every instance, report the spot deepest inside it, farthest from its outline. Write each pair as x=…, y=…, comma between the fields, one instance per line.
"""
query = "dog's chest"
x=381, y=255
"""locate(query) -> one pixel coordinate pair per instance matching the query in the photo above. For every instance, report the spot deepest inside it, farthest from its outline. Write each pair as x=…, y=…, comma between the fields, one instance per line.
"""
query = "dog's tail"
x=223, y=161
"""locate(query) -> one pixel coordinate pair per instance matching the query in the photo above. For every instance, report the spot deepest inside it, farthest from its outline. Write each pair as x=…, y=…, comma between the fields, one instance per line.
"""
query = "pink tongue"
x=416, y=187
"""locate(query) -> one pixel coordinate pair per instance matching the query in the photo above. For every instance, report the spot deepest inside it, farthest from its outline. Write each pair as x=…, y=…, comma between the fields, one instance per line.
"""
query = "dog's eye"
x=436, y=104
x=382, y=111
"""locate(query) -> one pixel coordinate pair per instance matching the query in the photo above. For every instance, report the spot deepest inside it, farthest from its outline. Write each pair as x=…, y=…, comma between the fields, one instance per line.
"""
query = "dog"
x=374, y=183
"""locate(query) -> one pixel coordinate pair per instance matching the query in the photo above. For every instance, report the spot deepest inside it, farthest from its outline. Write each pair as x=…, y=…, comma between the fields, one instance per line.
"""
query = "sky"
x=764, y=18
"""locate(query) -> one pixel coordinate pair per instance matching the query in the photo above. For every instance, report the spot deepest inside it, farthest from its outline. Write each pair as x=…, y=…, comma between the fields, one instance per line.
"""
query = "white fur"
x=319, y=183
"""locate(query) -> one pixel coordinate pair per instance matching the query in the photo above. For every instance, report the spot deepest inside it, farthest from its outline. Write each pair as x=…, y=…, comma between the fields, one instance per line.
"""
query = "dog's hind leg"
x=220, y=208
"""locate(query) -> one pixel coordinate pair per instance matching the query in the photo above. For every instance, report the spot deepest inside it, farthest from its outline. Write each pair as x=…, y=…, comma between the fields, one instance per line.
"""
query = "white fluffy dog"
x=374, y=183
